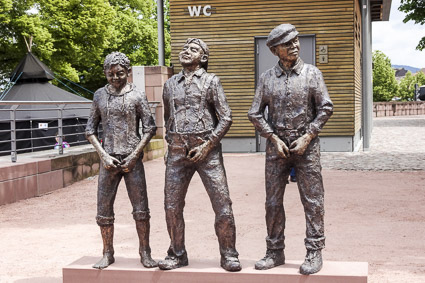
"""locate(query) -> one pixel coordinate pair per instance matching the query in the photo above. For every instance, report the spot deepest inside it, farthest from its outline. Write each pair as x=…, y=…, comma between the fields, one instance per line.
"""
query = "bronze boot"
x=173, y=262
x=143, y=230
x=107, y=232
x=312, y=263
x=271, y=259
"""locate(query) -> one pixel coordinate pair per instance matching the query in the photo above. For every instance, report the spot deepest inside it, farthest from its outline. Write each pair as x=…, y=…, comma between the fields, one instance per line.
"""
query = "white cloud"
x=399, y=40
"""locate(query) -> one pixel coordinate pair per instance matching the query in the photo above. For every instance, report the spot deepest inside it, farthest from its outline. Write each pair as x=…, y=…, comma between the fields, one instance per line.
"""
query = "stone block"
x=25, y=187
x=150, y=93
x=95, y=169
x=87, y=171
x=61, y=162
x=44, y=166
x=153, y=80
x=157, y=93
x=131, y=270
x=50, y=181
x=72, y=174
x=16, y=170
x=7, y=192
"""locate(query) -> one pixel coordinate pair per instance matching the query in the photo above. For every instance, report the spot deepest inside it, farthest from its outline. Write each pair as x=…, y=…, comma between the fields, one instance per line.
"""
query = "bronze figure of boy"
x=298, y=107
x=197, y=116
x=120, y=107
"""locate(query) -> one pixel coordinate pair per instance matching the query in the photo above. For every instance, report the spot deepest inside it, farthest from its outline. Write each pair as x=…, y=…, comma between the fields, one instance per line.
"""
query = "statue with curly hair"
x=120, y=107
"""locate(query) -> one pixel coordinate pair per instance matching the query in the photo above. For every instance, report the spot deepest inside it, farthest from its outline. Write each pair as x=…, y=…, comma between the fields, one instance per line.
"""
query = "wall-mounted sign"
x=43, y=125
x=196, y=11
x=323, y=49
x=323, y=59
x=323, y=54
x=200, y=10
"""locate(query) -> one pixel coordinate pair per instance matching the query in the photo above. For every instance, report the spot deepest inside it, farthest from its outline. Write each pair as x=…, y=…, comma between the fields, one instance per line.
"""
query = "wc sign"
x=200, y=10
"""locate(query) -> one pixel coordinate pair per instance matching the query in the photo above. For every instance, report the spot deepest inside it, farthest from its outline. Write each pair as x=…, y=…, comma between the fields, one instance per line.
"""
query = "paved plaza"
x=374, y=213
x=398, y=144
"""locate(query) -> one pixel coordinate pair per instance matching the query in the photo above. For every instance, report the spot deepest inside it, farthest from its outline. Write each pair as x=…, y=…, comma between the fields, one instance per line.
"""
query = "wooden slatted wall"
x=358, y=68
x=229, y=33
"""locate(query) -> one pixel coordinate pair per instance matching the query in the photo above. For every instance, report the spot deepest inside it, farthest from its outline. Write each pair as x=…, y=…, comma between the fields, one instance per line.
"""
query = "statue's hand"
x=282, y=149
x=200, y=152
x=300, y=145
x=109, y=162
x=128, y=163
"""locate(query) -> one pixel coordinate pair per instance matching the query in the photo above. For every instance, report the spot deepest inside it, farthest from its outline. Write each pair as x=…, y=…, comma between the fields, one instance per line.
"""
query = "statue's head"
x=117, y=69
x=283, y=42
x=194, y=52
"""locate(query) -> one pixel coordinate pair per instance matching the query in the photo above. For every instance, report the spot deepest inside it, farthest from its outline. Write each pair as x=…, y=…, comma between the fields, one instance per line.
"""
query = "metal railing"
x=59, y=107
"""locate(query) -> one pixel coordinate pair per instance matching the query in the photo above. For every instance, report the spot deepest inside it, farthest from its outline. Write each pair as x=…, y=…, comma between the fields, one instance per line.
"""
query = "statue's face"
x=192, y=54
x=289, y=51
x=117, y=76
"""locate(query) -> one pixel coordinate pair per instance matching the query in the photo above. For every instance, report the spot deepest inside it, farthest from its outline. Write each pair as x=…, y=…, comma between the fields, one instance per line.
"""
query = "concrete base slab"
x=130, y=270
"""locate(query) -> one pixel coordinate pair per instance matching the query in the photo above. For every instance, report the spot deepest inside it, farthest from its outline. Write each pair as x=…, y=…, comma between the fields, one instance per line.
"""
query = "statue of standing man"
x=298, y=107
x=120, y=107
x=196, y=116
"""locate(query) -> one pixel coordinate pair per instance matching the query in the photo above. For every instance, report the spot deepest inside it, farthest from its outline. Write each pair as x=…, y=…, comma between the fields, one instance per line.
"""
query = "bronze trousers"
x=179, y=172
x=107, y=190
x=310, y=187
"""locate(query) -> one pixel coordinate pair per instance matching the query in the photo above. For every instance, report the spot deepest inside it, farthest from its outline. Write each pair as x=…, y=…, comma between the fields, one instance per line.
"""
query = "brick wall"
x=395, y=108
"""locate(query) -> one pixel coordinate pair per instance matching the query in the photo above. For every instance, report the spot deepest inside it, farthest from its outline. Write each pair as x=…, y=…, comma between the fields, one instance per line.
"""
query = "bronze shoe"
x=312, y=263
x=173, y=262
x=230, y=263
x=271, y=259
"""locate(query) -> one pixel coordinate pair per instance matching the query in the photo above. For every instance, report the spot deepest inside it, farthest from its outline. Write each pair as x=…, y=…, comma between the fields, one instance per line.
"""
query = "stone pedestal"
x=130, y=270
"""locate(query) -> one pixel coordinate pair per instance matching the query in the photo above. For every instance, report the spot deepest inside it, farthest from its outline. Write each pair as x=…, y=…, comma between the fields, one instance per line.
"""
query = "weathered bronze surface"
x=120, y=106
x=298, y=106
x=197, y=116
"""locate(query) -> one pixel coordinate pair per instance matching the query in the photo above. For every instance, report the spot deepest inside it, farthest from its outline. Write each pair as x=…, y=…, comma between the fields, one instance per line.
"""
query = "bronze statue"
x=298, y=107
x=120, y=106
x=196, y=116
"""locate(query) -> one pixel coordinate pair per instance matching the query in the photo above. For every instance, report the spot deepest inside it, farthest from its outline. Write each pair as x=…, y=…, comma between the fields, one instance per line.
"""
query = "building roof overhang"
x=380, y=10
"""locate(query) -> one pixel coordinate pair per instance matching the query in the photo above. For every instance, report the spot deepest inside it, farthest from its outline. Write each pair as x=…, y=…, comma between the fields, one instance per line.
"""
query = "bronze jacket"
x=120, y=117
x=296, y=101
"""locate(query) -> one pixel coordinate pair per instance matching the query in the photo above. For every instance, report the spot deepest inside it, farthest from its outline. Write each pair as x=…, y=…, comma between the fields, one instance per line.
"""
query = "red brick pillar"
x=151, y=79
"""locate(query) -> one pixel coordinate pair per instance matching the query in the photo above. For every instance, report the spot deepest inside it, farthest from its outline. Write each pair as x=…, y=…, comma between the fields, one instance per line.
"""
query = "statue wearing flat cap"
x=196, y=116
x=298, y=106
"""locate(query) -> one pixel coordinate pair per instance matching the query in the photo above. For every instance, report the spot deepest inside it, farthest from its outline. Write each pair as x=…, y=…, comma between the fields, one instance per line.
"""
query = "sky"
x=399, y=40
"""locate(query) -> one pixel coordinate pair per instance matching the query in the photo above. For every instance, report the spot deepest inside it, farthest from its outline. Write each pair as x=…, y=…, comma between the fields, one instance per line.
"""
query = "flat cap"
x=281, y=34
x=200, y=43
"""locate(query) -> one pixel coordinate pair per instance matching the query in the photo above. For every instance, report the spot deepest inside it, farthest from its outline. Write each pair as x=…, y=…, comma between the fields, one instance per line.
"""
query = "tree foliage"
x=415, y=11
x=73, y=37
x=407, y=85
x=385, y=86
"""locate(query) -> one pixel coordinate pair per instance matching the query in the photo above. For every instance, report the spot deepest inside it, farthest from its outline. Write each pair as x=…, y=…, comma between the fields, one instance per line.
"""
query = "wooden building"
x=335, y=36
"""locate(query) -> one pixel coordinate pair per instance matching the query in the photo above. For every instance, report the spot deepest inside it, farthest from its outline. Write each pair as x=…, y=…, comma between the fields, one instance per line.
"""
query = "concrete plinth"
x=130, y=270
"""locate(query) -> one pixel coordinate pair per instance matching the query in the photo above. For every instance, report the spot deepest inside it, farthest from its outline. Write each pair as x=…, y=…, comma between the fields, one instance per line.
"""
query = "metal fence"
x=46, y=107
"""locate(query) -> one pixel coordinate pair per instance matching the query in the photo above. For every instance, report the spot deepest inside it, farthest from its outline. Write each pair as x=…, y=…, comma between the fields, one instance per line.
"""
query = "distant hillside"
x=409, y=68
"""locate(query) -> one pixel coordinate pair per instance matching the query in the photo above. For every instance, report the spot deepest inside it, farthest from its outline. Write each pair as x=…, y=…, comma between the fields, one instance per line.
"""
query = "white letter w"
x=194, y=10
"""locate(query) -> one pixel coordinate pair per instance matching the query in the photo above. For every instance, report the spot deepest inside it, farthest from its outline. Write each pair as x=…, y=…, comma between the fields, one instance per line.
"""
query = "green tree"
x=420, y=78
x=406, y=87
x=73, y=37
x=385, y=86
x=415, y=11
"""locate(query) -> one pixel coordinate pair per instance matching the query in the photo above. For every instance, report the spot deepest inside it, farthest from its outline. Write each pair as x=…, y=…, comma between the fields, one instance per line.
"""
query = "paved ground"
x=374, y=213
x=398, y=144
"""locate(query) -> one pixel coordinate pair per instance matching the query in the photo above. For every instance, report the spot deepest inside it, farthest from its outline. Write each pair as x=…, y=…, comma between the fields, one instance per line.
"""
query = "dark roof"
x=31, y=69
x=42, y=92
x=400, y=72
